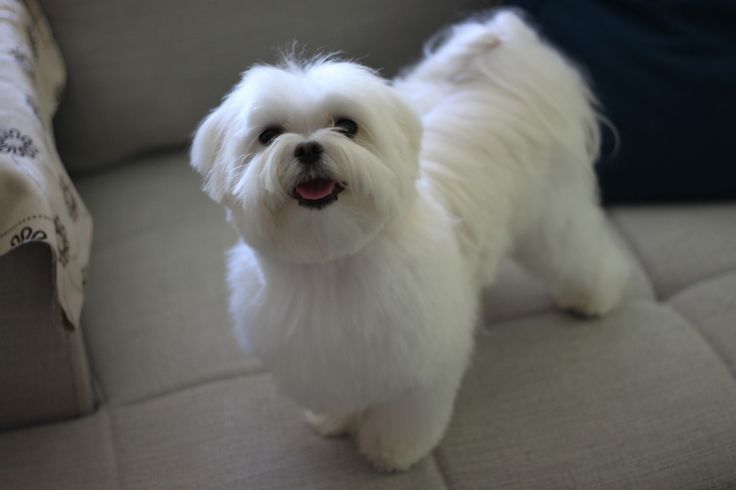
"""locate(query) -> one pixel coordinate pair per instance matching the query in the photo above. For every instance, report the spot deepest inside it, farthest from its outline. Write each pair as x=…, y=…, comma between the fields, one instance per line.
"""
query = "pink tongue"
x=315, y=190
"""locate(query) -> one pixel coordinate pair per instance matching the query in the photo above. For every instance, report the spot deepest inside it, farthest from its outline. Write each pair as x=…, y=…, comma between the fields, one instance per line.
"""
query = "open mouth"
x=317, y=193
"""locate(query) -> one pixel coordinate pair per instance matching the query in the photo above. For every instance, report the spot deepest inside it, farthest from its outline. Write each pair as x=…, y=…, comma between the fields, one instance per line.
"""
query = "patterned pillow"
x=38, y=201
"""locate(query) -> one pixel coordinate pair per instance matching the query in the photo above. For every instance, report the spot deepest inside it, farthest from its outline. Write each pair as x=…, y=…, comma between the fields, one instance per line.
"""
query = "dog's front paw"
x=396, y=434
x=582, y=307
x=330, y=425
x=387, y=455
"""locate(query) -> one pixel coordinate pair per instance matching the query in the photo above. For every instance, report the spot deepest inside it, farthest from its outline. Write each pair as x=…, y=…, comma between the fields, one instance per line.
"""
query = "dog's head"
x=312, y=161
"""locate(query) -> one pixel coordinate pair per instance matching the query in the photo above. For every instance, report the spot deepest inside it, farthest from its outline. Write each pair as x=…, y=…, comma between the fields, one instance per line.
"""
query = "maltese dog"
x=372, y=213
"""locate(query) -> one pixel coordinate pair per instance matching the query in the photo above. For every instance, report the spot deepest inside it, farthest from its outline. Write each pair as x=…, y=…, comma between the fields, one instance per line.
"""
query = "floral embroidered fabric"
x=38, y=201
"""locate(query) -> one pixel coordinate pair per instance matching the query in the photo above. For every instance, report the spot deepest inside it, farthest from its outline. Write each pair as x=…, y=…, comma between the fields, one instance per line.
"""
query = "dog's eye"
x=269, y=134
x=346, y=126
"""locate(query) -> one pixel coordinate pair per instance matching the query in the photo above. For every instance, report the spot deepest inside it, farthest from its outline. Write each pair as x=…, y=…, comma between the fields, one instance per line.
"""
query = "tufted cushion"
x=640, y=399
x=142, y=73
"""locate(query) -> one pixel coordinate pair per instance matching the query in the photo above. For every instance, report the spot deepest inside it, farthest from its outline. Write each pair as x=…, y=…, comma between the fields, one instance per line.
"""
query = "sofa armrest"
x=44, y=373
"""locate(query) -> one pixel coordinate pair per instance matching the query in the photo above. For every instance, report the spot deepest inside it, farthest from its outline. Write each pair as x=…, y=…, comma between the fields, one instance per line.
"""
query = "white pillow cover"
x=38, y=201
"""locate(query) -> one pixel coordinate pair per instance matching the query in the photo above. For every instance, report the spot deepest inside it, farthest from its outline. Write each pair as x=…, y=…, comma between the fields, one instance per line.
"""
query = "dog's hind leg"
x=570, y=247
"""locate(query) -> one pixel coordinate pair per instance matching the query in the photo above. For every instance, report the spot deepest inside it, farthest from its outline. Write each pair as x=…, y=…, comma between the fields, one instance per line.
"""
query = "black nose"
x=308, y=152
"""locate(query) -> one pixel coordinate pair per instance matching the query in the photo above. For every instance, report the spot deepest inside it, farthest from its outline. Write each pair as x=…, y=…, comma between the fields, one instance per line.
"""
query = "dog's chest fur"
x=357, y=331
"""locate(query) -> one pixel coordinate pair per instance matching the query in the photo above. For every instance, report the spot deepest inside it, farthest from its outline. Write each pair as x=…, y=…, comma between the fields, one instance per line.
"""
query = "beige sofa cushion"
x=640, y=399
x=143, y=73
x=44, y=376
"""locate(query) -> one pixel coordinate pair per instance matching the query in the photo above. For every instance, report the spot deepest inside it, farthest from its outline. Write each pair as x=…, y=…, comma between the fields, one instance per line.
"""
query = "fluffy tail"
x=506, y=52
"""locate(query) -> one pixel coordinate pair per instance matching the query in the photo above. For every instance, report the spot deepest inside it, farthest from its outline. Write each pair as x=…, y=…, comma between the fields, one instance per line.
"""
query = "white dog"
x=371, y=216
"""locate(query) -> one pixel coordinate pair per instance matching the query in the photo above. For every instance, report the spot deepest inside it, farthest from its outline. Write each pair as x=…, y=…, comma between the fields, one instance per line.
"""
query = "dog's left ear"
x=207, y=156
x=408, y=123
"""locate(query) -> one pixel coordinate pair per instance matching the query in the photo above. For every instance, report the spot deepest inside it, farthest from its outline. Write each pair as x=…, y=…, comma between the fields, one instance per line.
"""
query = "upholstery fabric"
x=143, y=73
x=711, y=305
x=680, y=245
x=38, y=202
x=156, y=317
x=44, y=376
x=640, y=399
x=71, y=456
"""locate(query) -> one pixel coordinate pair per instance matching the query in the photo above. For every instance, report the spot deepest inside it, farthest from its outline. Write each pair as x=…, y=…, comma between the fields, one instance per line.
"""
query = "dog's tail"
x=505, y=51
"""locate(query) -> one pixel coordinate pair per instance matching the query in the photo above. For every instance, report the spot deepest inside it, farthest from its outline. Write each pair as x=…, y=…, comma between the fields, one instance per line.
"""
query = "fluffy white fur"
x=364, y=310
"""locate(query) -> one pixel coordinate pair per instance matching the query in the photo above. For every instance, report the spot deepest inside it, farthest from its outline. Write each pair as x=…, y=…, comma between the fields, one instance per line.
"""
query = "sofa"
x=151, y=391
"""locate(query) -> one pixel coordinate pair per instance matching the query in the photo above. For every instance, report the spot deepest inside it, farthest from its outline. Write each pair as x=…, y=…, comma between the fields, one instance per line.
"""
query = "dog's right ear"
x=207, y=155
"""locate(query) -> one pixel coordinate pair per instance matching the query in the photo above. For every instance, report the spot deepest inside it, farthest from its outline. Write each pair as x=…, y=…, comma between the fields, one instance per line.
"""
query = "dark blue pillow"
x=665, y=73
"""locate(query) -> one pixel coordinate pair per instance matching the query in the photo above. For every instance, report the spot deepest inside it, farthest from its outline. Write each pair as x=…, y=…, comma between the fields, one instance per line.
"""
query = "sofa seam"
x=79, y=411
x=72, y=372
x=515, y=317
x=695, y=326
x=186, y=387
x=441, y=470
x=636, y=254
x=126, y=238
x=716, y=276
x=117, y=475
x=100, y=392
x=486, y=328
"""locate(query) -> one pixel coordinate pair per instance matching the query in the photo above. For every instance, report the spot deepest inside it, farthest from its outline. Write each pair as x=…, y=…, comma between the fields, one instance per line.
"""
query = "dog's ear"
x=408, y=123
x=207, y=154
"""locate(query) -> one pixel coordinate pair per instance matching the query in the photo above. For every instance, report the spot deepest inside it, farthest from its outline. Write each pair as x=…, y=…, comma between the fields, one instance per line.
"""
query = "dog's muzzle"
x=316, y=189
